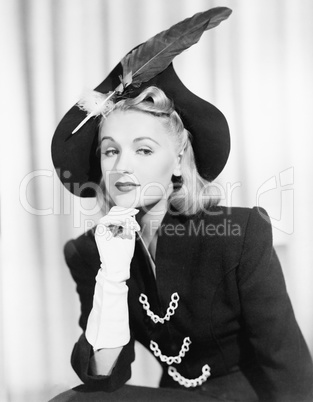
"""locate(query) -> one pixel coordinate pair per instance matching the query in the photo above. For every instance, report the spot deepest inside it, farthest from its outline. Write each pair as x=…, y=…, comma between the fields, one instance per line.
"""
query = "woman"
x=198, y=284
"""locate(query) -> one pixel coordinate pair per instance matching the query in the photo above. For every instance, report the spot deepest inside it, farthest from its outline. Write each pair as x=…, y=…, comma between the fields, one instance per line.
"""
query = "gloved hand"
x=107, y=325
x=115, y=239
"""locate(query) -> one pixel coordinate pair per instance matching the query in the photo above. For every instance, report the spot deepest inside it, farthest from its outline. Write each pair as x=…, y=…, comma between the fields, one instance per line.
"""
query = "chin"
x=132, y=200
x=126, y=201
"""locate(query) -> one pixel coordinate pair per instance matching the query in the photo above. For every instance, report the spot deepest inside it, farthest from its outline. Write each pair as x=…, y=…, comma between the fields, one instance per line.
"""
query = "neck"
x=150, y=218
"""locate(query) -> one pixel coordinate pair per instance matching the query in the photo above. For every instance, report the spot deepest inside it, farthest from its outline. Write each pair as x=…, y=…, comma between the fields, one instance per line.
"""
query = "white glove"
x=108, y=325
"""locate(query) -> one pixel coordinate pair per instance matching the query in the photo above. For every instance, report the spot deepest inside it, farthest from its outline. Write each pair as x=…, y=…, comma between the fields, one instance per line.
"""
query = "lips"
x=126, y=186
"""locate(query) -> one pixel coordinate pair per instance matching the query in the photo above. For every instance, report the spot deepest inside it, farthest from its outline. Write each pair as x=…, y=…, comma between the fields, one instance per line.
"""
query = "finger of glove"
x=128, y=224
x=121, y=211
x=118, y=216
x=125, y=231
x=124, y=220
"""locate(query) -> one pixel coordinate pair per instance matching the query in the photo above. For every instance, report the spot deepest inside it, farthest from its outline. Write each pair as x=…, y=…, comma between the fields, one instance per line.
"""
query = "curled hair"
x=192, y=193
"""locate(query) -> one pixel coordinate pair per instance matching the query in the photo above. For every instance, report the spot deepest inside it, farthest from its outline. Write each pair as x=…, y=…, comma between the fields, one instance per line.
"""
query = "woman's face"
x=138, y=159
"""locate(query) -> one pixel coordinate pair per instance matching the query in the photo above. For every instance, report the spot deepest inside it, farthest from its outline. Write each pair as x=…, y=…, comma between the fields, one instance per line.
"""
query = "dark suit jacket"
x=233, y=304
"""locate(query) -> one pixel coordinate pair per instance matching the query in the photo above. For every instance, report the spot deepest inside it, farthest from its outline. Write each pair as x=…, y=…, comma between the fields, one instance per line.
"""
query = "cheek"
x=106, y=163
x=166, y=169
x=107, y=166
x=158, y=171
x=157, y=180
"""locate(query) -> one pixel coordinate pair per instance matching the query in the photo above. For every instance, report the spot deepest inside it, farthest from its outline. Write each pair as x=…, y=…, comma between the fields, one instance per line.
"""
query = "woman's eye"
x=144, y=151
x=110, y=152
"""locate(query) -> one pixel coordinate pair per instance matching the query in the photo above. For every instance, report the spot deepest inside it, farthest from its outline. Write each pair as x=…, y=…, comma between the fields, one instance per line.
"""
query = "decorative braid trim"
x=169, y=312
x=186, y=382
x=170, y=359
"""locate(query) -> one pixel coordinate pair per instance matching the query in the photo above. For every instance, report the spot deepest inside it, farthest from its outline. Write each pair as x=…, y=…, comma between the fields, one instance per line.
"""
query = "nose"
x=123, y=163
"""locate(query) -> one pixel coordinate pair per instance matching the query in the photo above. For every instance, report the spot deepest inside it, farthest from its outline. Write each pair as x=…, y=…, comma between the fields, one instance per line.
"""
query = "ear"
x=177, y=169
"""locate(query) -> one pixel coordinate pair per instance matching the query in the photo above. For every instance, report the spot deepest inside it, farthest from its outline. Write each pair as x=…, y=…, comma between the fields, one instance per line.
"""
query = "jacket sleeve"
x=84, y=274
x=284, y=366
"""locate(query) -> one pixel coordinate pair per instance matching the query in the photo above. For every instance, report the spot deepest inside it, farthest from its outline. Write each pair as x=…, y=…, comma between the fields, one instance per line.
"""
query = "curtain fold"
x=256, y=67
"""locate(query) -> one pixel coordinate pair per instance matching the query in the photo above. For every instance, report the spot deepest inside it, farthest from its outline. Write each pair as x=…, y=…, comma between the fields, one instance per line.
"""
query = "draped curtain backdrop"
x=256, y=67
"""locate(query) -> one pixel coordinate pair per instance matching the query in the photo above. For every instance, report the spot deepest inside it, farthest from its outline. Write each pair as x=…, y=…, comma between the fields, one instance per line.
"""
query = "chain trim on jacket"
x=170, y=359
x=186, y=382
x=169, y=312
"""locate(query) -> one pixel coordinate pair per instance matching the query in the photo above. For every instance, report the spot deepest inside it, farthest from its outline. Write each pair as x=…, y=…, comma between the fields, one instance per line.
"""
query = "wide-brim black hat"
x=74, y=155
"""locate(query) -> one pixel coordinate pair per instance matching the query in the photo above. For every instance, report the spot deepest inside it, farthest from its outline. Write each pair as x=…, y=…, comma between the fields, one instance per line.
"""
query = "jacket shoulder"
x=234, y=229
x=234, y=220
x=241, y=214
x=83, y=247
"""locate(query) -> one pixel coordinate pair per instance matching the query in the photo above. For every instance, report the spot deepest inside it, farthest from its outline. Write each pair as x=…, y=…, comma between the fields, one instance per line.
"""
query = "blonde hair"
x=192, y=193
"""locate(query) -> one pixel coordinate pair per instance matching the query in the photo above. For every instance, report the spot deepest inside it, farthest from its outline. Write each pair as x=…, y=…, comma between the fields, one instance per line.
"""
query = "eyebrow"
x=135, y=140
x=145, y=138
